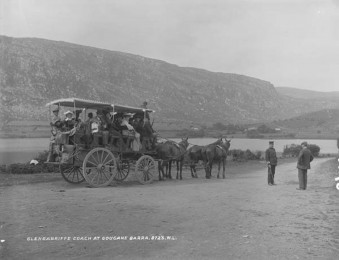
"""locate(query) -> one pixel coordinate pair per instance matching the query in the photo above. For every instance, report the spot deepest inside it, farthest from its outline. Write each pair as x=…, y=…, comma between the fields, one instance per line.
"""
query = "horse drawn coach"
x=101, y=142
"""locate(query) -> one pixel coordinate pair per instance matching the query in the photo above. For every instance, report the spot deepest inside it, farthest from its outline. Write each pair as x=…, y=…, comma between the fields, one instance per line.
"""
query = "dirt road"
x=240, y=217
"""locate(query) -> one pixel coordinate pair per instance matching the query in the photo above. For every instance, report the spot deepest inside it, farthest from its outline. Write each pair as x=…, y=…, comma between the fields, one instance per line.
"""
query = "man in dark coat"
x=304, y=163
x=272, y=161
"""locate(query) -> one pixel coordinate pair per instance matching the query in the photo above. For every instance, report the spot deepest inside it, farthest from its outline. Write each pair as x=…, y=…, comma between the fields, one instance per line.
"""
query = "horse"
x=171, y=151
x=215, y=152
x=194, y=154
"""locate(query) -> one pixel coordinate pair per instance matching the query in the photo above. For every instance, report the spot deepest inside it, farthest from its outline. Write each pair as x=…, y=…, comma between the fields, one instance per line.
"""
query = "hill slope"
x=307, y=94
x=319, y=124
x=35, y=71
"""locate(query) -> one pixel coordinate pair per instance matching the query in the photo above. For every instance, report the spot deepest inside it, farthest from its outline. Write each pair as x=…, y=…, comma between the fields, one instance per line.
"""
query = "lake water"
x=15, y=150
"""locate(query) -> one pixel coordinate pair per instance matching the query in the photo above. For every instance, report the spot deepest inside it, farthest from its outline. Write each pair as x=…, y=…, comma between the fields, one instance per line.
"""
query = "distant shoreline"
x=175, y=134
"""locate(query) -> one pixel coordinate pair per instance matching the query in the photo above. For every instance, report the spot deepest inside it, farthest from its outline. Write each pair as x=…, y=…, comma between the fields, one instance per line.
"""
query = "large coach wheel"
x=71, y=173
x=122, y=171
x=99, y=167
x=145, y=169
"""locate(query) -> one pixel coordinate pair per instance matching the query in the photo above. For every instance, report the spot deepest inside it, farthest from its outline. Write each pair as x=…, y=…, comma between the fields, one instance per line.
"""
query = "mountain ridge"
x=306, y=94
x=35, y=71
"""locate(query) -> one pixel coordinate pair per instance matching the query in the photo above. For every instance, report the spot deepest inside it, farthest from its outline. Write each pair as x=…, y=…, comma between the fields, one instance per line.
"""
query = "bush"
x=293, y=150
x=265, y=129
x=254, y=134
x=42, y=156
x=315, y=149
x=240, y=155
x=26, y=168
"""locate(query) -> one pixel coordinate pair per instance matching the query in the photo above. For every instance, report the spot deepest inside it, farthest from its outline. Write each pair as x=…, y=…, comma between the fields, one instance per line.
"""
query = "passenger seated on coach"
x=138, y=124
x=69, y=122
x=87, y=125
x=136, y=145
x=77, y=116
x=69, y=125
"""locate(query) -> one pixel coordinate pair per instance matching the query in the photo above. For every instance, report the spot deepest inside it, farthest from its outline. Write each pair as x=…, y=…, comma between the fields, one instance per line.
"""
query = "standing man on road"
x=272, y=161
x=304, y=163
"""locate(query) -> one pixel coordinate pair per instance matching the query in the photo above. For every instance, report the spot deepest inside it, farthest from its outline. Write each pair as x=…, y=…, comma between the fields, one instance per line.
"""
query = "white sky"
x=291, y=43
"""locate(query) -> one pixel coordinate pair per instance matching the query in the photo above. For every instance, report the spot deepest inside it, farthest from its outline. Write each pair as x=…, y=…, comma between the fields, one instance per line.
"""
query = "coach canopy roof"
x=90, y=104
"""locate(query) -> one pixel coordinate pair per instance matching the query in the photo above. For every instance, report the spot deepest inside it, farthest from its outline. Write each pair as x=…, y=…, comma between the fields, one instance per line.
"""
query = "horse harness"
x=222, y=149
x=181, y=148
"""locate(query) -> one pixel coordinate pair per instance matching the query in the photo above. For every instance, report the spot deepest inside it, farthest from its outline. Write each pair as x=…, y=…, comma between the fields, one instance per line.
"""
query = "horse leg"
x=178, y=166
x=211, y=165
x=219, y=164
x=181, y=164
x=165, y=164
x=159, y=169
x=194, y=175
x=169, y=169
x=195, y=169
x=206, y=169
x=223, y=168
x=192, y=169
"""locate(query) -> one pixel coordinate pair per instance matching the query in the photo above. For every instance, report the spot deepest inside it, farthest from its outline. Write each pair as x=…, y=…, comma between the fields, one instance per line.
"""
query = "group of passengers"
x=68, y=123
x=112, y=129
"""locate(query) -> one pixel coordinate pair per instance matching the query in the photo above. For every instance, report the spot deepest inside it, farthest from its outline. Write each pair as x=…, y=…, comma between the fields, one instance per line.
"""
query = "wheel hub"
x=100, y=166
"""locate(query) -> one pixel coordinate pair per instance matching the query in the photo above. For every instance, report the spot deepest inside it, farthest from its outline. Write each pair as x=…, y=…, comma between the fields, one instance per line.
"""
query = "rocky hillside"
x=35, y=71
x=320, y=123
x=308, y=94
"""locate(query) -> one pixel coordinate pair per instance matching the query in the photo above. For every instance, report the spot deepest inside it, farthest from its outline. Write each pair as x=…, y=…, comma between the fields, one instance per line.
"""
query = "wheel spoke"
x=104, y=161
x=104, y=173
x=88, y=161
x=77, y=172
x=104, y=170
x=109, y=174
x=71, y=173
x=96, y=162
x=145, y=169
x=95, y=177
x=109, y=161
x=101, y=177
x=68, y=170
x=102, y=155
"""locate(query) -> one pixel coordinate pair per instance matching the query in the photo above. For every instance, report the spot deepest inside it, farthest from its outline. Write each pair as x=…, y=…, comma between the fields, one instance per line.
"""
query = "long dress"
x=136, y=144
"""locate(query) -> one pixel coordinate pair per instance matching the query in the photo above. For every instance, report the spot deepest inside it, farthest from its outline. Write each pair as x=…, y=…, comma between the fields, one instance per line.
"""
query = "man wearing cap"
x=304, y=163
x=272, y=161
x=144, y=105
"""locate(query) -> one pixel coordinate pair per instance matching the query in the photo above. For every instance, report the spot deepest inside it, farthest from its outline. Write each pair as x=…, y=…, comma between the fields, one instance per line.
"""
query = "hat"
x=304, y=143
x=271, y=142
x=56, y=110
x=128, y=114
x=68, y=112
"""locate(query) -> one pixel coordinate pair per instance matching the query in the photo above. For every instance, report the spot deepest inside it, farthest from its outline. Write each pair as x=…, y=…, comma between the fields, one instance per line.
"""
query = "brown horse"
x=218, y=153
x=194, y=154
x=171, y=151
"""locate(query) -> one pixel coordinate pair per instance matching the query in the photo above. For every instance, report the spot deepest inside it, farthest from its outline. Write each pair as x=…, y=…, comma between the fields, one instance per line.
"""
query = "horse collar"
x=220, y=147
x=177, y=145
